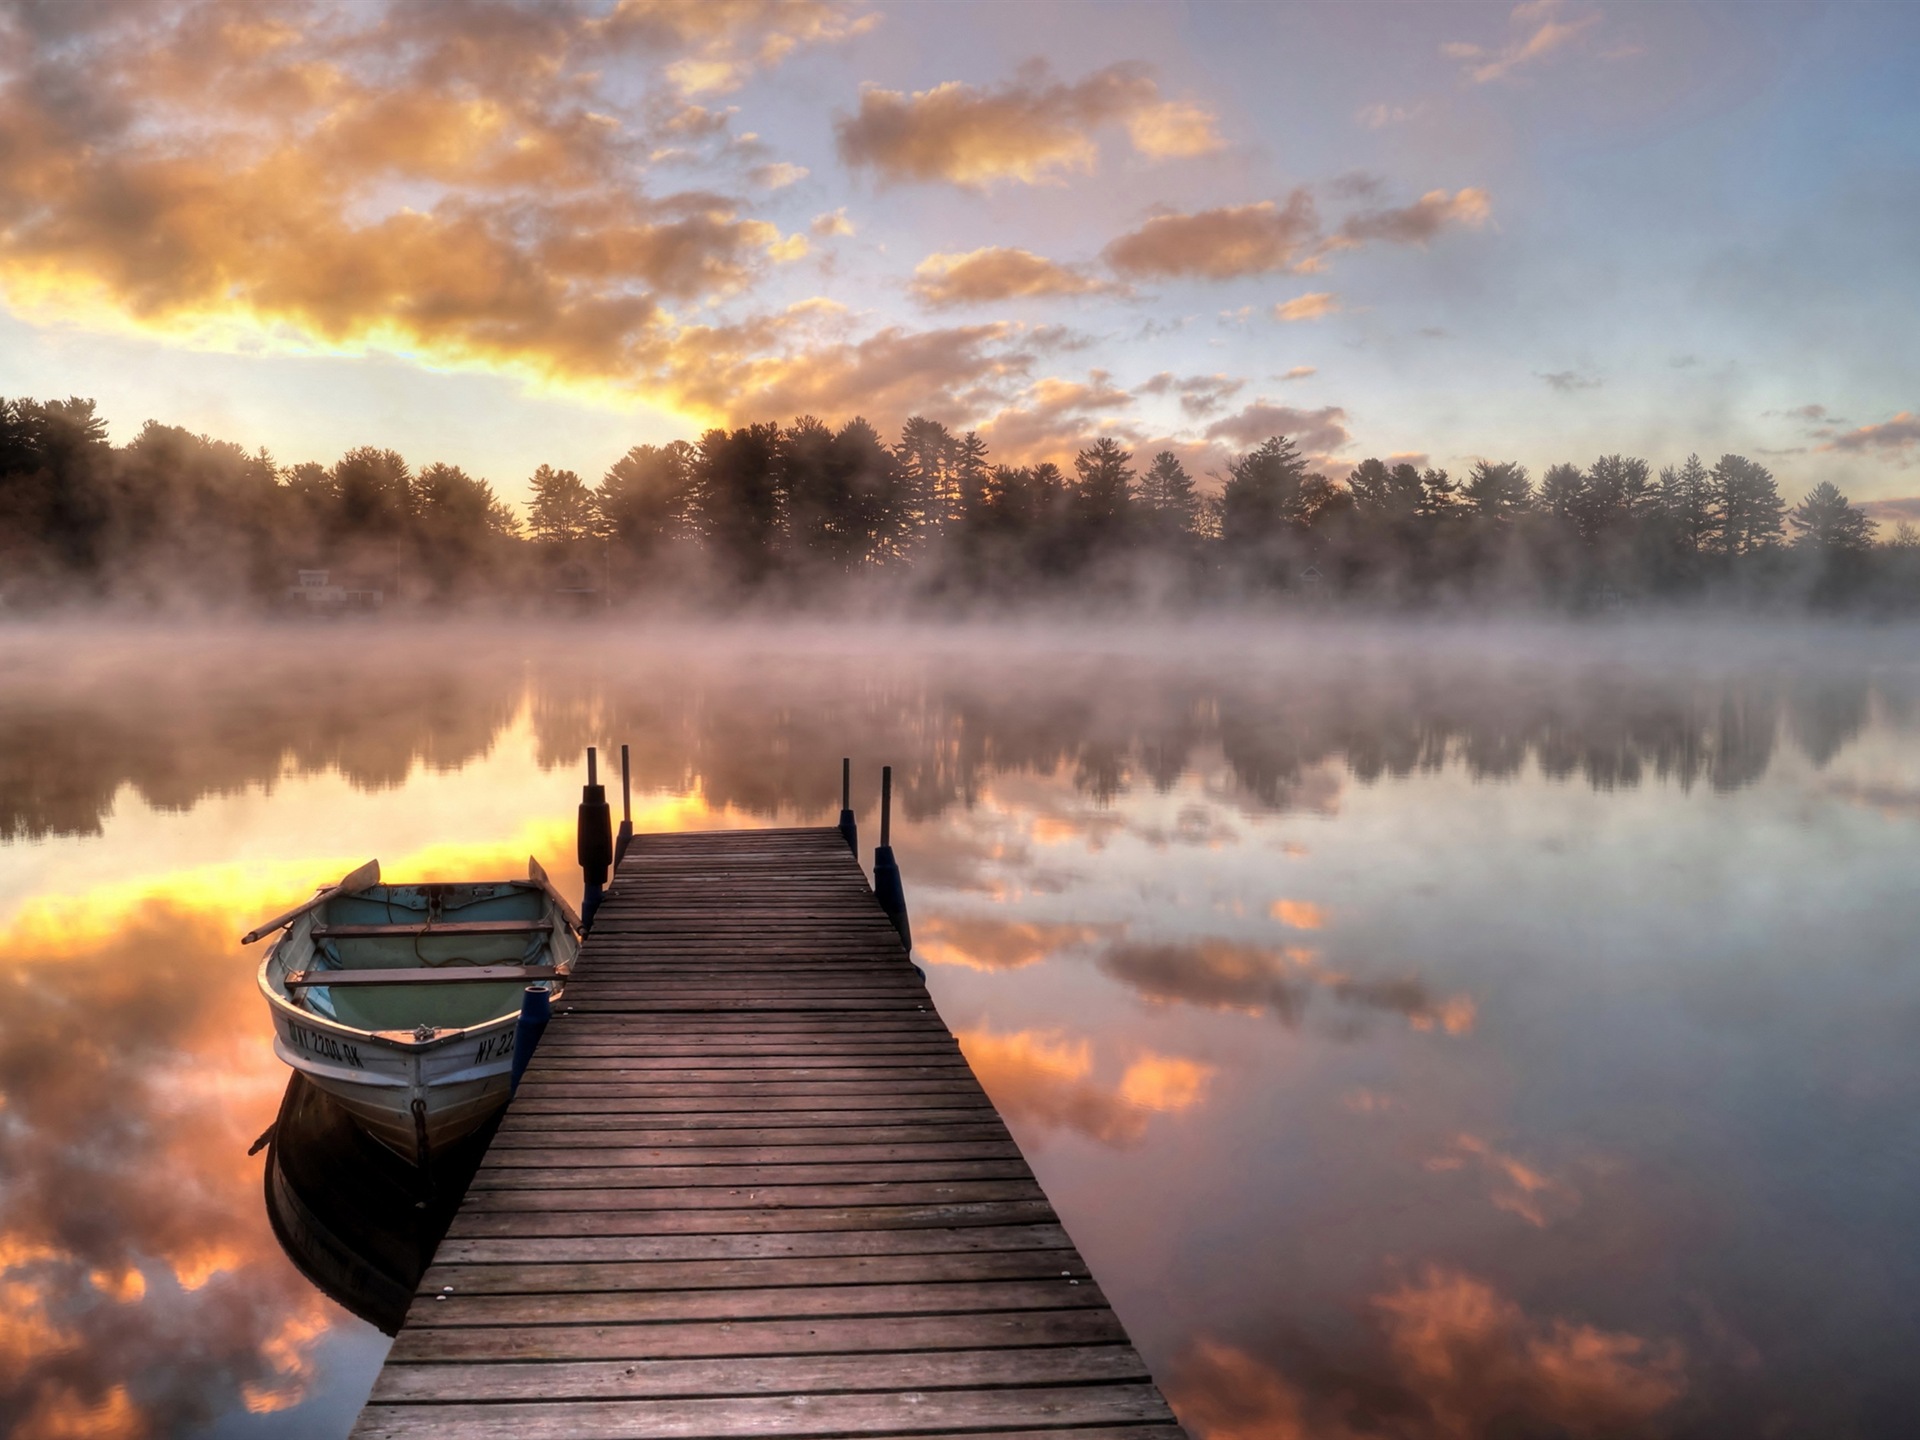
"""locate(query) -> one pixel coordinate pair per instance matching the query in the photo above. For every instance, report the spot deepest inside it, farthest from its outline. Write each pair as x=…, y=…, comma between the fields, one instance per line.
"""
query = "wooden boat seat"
x=445, y=927
x=417, y=975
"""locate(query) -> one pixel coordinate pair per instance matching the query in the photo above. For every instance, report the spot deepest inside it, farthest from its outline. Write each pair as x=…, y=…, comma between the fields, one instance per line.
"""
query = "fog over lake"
x=1423, y=1031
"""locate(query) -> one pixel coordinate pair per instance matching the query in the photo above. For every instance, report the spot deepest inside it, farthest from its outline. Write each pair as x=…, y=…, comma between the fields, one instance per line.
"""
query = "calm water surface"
x=1423, y=1034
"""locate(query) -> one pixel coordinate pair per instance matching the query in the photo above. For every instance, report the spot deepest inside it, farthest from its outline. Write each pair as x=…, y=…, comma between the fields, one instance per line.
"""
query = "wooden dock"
x=750, y=1186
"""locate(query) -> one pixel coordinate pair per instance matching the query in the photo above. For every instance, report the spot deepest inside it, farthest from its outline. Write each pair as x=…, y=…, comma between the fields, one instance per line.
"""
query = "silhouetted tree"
x=646, y=499
x=1824, y=522
x=1749, y=505
x=562, y=511
x=1169, y=504
x=1104, y=492
x=1498, y=491
x=740, y=493
x=373, y=493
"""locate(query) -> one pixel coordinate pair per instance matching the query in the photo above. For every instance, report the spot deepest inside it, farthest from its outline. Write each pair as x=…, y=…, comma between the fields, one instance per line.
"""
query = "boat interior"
x=389, y=928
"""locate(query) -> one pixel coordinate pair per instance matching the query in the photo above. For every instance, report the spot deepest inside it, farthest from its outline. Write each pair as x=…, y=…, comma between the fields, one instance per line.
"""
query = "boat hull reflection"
x=354, y=1218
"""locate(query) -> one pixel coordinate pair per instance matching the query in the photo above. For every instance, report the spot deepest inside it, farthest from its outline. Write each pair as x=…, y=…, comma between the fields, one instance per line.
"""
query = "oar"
x=367, y=874
x=537, y=873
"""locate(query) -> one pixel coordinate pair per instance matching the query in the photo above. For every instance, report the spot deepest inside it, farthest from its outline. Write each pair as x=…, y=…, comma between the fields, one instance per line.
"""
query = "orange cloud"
x=1165, y=1082
x=1298, y=914
x=1033, y=130
x=1046, y=1078
x=1458, y=1360
x=1518, y=1188
x=1477, y=1360
x=1306, y=307
x=1901, y=433
x=980, y=943
x=1419, y=222
x=1543, y=34
x=725, y=41
x=1173, y=130
x=1317, y=432
x=474, y=201
x=994, y=274
x=1220, y=244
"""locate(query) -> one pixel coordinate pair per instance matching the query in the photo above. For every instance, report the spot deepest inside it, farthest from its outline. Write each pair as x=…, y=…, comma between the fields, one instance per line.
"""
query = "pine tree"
x=1167, y=497
x=1688, y=501
x=1498, y=490
x=562, y=509
x=1105, y=488
x=1749, y=505
x=1824, y=521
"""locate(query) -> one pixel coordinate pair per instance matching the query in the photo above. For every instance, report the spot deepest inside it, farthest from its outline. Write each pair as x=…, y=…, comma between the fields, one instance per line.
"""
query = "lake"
x=1441, y=1031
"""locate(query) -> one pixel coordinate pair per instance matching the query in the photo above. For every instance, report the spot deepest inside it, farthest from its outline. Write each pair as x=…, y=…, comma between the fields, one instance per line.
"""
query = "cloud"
x=1033, y=130
x=1898, y=435
x=130, y=1308
x=1317, y=432
x=1233, y=241
x=1311, y=306
x=1298, y=914
x=1051, y=419
x=1200, y=395
x=1419, y=222
x=1300, y=372
x=1219, y=244
x=1454, y=1357
x=981, y=943
x=1173, y=130
x=834, y=222
x=1478, y=1361
x=1568, y=381
x=1541, y=34
x=995, y=274
x=722, y=44
x=456, y=185
x=1272, y=981
x=772, y=366
x=1894, y=511
x=1381, y=115
x=778, y=175
x=1517, y=1187
x=1045, y=1078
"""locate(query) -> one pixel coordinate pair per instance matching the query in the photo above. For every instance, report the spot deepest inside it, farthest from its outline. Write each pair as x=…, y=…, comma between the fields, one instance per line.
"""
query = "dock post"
x=594, y=844
x=887, y=888
x=536, y=1008
x=849, y=828
x=626, y=812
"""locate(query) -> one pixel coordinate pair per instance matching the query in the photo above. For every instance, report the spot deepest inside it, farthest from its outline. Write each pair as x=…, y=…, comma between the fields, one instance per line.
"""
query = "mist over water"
x=1423, y=1031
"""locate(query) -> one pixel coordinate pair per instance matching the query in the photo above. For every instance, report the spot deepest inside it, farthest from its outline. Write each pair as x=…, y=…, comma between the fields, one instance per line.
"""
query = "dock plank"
x=750, y=1186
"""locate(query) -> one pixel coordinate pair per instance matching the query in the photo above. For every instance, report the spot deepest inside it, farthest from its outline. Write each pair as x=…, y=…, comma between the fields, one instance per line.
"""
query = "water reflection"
x=1423, y=1036
x=357, y=1221
x=176, y=729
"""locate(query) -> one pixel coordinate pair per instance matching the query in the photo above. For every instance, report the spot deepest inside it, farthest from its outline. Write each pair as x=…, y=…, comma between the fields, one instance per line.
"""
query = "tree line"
x=803, y=511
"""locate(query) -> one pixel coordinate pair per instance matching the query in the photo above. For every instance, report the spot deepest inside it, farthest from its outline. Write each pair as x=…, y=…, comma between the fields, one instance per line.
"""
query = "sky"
x=504, y=234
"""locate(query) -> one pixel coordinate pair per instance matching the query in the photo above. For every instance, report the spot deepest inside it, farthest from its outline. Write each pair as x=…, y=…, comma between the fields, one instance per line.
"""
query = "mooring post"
x=626, y=812
x=536, y=1008
x=849, y=829
x=595, y=841
x=886, y=871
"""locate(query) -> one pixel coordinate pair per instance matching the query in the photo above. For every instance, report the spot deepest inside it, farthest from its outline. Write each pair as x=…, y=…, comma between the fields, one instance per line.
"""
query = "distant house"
x=316, y=594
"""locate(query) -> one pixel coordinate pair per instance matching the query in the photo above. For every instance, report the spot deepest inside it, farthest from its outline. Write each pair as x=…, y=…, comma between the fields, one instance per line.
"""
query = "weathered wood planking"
x=750, y=1187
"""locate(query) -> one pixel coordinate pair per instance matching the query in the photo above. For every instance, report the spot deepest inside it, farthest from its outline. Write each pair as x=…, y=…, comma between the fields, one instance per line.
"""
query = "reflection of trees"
x=180, y=723
x=763, y=733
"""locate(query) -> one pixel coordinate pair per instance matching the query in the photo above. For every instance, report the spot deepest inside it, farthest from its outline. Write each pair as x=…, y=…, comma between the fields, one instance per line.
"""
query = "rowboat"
x=401, y=1001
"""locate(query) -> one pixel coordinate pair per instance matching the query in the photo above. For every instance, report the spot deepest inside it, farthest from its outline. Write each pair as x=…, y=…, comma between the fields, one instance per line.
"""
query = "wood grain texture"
x=751, y=1187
